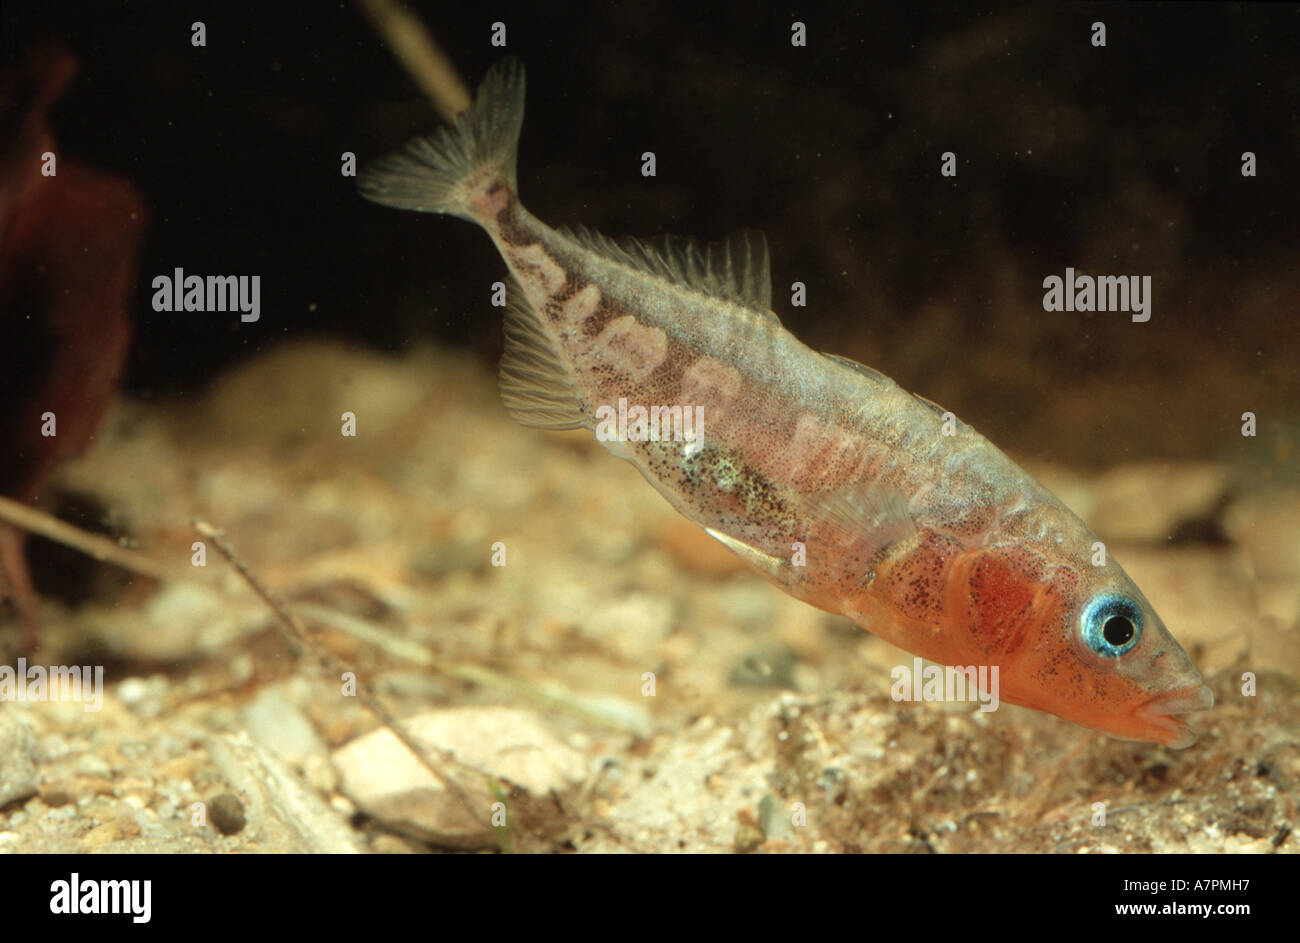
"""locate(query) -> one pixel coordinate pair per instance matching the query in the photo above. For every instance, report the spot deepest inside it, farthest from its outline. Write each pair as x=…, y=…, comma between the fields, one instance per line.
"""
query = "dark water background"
x=1122, y=160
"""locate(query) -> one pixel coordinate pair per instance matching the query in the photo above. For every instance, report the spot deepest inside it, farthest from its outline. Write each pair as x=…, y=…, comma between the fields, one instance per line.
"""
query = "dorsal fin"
x=862, y=368
x=939, y=410
x=877, y=376
x=735, y=269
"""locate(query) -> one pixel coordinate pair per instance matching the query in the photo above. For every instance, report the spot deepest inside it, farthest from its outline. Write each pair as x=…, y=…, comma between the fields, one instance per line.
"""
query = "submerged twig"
x=300, y=637
x=93, y=545
x=420, y=55
x=607, y=711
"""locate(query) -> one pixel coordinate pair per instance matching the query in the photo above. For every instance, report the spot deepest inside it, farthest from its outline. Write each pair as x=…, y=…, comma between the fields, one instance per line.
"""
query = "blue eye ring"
x=1111, y=624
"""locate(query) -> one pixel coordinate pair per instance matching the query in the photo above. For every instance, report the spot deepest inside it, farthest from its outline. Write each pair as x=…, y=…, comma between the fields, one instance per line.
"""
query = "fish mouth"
x=1160, y=711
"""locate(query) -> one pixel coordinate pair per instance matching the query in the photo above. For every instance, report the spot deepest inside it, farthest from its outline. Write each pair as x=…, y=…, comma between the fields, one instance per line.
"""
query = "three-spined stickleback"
x=824, y=475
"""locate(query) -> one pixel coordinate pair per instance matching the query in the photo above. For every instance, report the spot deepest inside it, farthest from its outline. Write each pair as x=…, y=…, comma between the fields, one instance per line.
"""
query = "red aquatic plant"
x=68, y=242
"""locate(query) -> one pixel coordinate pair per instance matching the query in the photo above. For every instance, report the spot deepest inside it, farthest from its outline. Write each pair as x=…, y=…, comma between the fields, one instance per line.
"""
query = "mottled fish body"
x=824, y=475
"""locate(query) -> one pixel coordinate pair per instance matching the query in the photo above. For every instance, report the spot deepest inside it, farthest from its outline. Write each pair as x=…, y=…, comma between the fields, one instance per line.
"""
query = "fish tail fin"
x=443, y=172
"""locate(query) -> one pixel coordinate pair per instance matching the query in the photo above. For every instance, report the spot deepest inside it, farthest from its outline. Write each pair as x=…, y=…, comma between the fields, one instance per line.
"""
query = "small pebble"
x=18, y=759
x=226, y=813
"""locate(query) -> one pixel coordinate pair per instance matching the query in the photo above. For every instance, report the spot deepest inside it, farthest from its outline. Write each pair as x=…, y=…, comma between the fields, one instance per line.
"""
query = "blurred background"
x=1117, y=160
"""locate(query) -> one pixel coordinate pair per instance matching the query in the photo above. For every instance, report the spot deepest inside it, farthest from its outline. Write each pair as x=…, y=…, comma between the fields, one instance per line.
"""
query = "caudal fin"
x=438, y=173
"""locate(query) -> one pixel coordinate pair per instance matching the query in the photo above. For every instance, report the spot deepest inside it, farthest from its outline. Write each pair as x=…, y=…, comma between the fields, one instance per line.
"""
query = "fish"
x=822, y=474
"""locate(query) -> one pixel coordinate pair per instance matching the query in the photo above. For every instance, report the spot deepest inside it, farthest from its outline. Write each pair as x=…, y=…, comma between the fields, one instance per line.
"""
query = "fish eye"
x=1112, y=624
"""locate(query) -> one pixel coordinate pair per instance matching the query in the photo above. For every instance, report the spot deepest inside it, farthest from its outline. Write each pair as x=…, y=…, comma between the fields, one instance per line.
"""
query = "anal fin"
x=536, y=383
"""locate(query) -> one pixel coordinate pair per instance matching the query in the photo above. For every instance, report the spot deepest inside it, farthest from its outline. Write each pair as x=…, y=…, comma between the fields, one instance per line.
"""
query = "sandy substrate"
x=770, y=726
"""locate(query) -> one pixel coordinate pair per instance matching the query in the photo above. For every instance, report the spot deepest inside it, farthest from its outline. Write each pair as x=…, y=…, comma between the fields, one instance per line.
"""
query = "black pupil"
x=1117, y=631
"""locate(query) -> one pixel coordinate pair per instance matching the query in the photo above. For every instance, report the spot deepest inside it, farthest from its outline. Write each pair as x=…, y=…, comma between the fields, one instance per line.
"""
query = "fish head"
x=1084, y=643
x=1145, y=678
